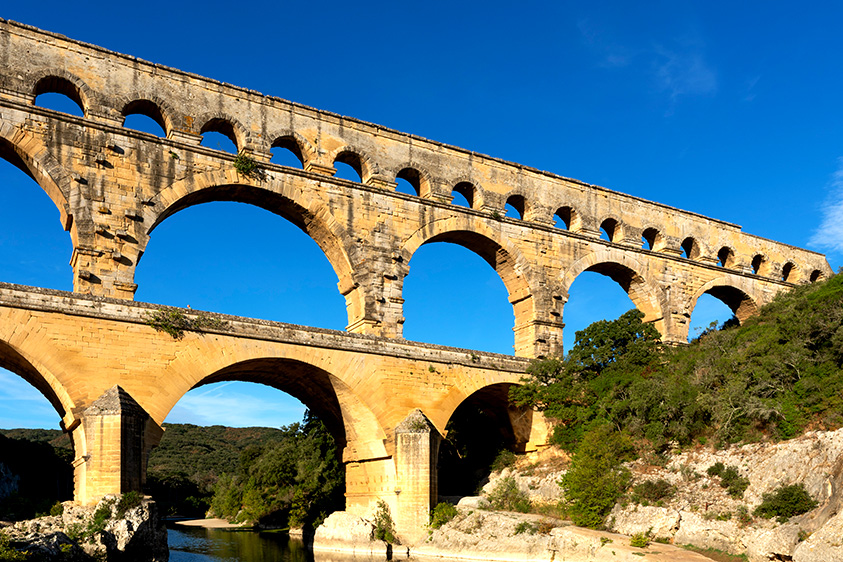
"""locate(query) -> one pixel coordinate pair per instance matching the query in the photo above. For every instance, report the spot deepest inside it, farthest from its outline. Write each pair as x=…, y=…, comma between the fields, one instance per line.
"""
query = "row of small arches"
x=222, y=134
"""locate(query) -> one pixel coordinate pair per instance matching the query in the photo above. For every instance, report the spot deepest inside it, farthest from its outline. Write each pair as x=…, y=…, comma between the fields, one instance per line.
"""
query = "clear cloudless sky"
x=728, y=109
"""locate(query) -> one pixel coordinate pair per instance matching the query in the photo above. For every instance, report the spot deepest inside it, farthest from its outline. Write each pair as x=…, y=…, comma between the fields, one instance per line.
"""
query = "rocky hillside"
x=689, y=506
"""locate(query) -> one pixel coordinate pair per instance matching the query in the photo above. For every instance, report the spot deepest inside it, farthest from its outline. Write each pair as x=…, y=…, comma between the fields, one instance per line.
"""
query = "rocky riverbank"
x=116, y=529
x=698, y=512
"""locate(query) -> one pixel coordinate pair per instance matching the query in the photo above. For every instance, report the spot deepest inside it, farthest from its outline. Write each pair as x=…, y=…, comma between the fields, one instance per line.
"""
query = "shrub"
x=57, y=509
x=7, y=553
x=507, y=497
x=596, y=478
x=652, y=491
x=785, y=502
x=128, y=501
x=384, y=526
x=525, y=527
x=504, y=459
x=441, y=514
x=640, y=540
x=716, y=469
x=734, y=483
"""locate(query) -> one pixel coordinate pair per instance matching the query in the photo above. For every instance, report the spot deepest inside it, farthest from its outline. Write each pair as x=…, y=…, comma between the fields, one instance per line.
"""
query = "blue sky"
x=732, y=110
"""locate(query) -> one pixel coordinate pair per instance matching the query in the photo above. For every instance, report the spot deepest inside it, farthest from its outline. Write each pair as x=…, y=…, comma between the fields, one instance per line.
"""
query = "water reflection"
x=195, y=544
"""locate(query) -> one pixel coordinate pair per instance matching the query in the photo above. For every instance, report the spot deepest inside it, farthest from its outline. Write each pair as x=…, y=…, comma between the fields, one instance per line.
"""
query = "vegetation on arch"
x=175, y=323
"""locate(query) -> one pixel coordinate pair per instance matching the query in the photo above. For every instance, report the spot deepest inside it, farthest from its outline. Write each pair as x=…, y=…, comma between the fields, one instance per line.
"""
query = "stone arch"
x=358, y=159
x=64, y=82
x=731, y=292
x=626, y=272
x=791, y=273
x=153, y=107
x=415, y=176
x=655, y=239
x=23, y=151
x=495, y=249
x=279, y=196
x=23, y=363
x=225, y=124
x=613, y=227
x=288, y=138
x=570, y=217
x=349, y=418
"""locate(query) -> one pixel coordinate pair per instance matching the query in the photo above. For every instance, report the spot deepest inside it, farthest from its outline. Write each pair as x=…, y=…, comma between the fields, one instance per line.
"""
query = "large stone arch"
x=28, y=154
x=493, y=246
x=626, y=272
x=280, y=196
x=355, y=427
x=733, y=291
x=81, y=93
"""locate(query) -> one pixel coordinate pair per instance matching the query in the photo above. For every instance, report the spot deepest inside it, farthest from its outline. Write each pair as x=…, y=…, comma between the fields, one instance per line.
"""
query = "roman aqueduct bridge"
x=114, y=185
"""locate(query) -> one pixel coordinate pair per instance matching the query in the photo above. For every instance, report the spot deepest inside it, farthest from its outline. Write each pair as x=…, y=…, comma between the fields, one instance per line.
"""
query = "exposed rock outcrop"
x=138, y=535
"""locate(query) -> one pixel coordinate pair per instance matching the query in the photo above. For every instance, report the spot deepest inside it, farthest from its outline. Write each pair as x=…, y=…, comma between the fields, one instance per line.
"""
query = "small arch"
x=726, y=257
x=286, y=151
x=352, y=160
x=690, y=248
x=611, y=228
x=567, y=218
x=790, y=273
x=52, y=86
x=225, y=128
x=412, y=181
x=760, y=265
x=148, y=109
x=515, y=206
x=816, y=275
x=652, y=239
x=465, y=190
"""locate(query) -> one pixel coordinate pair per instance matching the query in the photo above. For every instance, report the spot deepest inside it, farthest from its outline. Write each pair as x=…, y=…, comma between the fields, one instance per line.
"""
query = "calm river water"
x=195, y=544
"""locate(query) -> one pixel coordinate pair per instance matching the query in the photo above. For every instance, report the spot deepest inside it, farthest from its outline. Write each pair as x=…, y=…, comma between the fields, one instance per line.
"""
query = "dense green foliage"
x=507, y=497
x=441, y=514
x=296, y=480
x=652, y=491
x=730, y=478
x=384, y=525
x=785, y=502
x=7, y=553
x=778, y=373
x=43, y=476
x=596, y=479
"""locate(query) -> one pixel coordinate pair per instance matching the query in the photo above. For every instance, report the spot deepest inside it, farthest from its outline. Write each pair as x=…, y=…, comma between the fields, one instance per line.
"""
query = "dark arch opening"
x=240, y=259
x=219, y=134
x=652, y=239
x=816, y=275
x=690, y=248
x=452, y=298
x=408, y=181
x=789, y=272
x=59, y=94
x=287, y=152
x=40, y=474
x=478, y=431
x=145, y=116
x=726, y=257
x=464, y=195
x=609, y=229
x=515, y=206
x=564, y=218
x=350, y=166
x=759, y=264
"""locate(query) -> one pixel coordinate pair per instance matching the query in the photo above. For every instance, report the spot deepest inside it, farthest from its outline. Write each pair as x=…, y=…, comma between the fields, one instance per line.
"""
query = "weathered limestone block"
x=825, y=545
x=633, y=519
x=764, y=545
x=343, y=532
x=694, y=529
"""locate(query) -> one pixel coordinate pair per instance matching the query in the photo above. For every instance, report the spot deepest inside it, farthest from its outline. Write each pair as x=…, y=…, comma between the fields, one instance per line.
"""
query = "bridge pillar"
x=417, y=486
x=112, y=446
x=103, y=272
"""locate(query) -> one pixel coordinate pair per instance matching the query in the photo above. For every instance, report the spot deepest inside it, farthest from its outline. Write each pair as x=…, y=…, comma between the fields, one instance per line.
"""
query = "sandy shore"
x=209, y=523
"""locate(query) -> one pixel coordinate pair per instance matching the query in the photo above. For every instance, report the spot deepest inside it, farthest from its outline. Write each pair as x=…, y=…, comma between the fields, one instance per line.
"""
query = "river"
x=197, y=544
